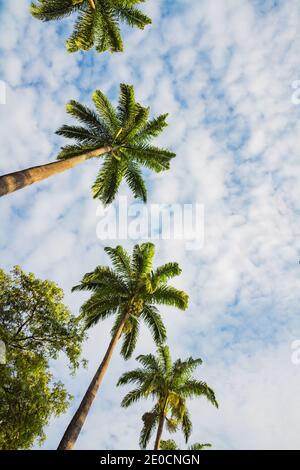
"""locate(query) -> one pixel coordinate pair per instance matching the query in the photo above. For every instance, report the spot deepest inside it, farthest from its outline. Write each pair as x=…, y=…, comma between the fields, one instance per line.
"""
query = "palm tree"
x=122, y=136
x=130, y=292
x=170, y=385
x=171, y=445
x=97, y=21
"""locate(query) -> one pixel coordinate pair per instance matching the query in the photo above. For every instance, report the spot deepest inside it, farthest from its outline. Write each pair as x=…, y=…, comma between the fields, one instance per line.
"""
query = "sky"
x=226, y=73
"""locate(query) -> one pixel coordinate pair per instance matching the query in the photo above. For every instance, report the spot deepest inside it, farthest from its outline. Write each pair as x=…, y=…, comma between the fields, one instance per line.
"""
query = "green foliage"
x=171, y=445
x=126, y=131
x=170, y=385
x=168, y=445
x=35, y=327
x=97, y=22
x=130, y=287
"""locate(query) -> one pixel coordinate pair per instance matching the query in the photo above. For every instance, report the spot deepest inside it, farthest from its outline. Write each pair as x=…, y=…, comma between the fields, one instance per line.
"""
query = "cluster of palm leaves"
x=97, y=21
x=170, y=385
x=131, y=289
x=127, y=131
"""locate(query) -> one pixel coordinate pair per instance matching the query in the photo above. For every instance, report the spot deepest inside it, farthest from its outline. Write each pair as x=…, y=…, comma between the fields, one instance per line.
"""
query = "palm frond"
x=182, y=370
x=135, y=181
x=132, y=397
x=96, y=309
x=106, y=110
x=120, y=259
x=132, y=16
x=83, y=36
x=196, y=388
x=152, y=318
x=142, y=257
x=152, y=129
x=165, y=359
x=109, y=179
x=198, y=446
x=186, y=425
x=154, y=158
x=136, y=376
x=168, y=295
x=166, y=272
x=103, y=279
x=150, y=420
x=149, y=361
x=126, y=107
x=130, y=339
x=47, y=10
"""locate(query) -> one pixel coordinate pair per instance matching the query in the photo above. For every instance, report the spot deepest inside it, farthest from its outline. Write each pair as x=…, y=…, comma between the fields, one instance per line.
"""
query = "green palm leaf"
x=97, y=22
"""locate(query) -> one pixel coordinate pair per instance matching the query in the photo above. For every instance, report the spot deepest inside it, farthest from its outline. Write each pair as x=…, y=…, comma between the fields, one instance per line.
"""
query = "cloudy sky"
x=225, y=72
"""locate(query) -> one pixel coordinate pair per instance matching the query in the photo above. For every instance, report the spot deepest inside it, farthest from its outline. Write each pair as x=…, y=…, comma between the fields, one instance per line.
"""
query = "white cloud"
x=224, y=74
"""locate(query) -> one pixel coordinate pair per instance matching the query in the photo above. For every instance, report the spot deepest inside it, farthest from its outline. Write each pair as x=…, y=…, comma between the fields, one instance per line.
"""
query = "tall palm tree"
x=122, y=136
x=171, y=445
x=97, y=21
x=170, y=385
x=130, y=292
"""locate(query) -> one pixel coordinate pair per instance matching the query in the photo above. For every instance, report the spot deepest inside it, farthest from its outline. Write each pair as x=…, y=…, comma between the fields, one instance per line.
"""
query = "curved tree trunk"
x=20, y=179
x=72, y=432
x=159, y=431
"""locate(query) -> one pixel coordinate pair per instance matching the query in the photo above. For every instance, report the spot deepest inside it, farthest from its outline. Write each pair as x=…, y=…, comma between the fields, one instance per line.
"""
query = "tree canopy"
x=133, y=287
x=36, y=327
x=127, y=131
x=170, y=444
x=97, y=22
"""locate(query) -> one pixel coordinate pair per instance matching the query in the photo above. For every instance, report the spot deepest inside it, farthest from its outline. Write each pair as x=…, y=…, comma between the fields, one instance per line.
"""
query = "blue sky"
x=224, y=72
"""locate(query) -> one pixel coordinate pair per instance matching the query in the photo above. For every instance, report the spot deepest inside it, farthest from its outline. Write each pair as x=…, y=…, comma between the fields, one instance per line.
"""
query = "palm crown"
x=171, y=445
x=97, y=21
x=170, y=385
x=131, y=289
x=126, y=131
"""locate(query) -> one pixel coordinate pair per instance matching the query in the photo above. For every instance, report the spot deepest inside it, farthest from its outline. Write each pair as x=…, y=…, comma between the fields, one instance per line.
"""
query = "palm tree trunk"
x=92, y=3
x=159, y=431
x=20, y=179
x=72, y=432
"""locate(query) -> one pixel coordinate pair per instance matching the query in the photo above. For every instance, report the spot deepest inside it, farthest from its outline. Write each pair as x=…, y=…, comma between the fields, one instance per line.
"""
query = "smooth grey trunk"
x=72, y=432
x=159, y=431
x=161, y=425
x=20, y=179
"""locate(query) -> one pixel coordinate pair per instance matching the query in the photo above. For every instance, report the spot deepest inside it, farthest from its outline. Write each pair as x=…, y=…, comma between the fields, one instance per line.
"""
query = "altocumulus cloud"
x=223, y=70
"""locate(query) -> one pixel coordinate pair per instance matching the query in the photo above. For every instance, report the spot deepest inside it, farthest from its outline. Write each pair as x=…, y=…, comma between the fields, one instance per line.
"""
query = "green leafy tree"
x=171, y=445
x=170, y=385
x=35, y=327
x=120, y=135
x=97, y=21
x=129, y=292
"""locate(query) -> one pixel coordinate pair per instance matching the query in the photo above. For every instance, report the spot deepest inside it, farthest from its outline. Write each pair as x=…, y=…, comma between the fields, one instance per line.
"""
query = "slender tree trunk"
x=92, y=3
x=159, y=431
x=72, y=432
x=20, y=179
x=161, y=424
